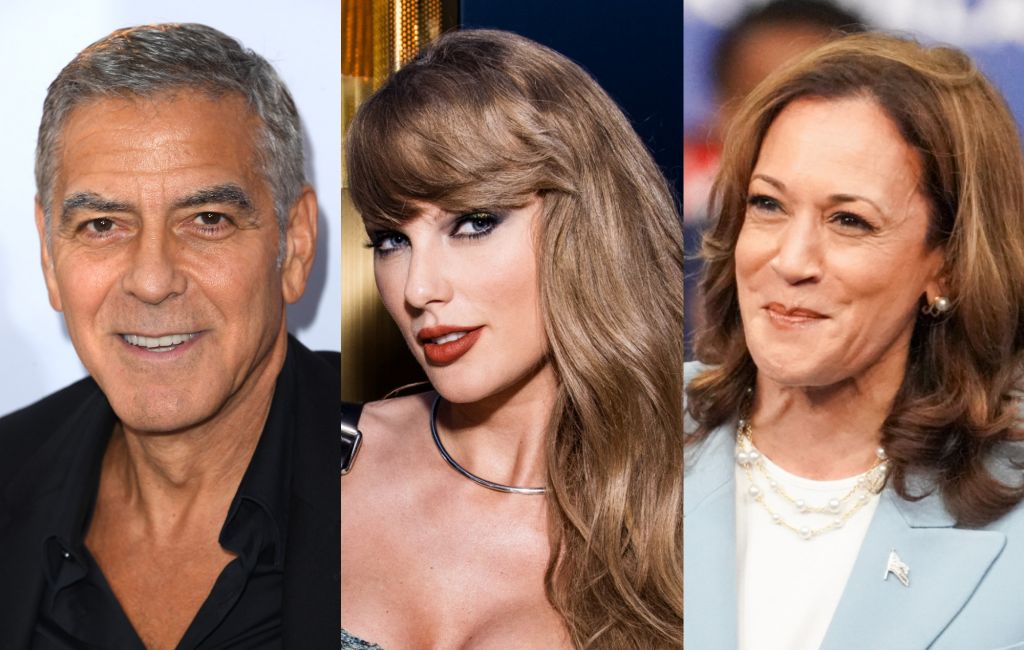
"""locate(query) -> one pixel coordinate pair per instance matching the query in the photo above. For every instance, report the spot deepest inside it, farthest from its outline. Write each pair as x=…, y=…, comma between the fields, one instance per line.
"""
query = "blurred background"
x=39, y=38
x=633, y=49
x=730, y=45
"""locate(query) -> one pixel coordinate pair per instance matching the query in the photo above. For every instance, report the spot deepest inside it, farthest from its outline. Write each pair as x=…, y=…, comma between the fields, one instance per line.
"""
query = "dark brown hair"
x=957, y=402
x=487, y=119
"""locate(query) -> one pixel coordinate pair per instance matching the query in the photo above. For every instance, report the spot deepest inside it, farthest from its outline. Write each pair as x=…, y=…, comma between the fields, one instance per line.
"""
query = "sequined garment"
x=349, y=642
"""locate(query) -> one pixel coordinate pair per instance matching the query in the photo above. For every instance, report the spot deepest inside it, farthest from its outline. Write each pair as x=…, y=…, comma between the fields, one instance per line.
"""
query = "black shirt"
x=243, y=610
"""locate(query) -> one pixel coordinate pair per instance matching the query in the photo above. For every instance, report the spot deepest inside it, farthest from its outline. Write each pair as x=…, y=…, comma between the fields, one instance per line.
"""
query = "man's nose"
x=154, y=274
x=426, y=280
x=799, y=251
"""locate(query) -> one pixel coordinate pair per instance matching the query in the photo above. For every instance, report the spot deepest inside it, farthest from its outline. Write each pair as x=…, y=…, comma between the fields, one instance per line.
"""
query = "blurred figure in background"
x=762, y=40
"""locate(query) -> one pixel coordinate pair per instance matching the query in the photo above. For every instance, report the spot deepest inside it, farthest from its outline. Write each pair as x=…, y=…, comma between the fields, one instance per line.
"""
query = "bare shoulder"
x=384, y=484
x=395, y=430
x=395, y=414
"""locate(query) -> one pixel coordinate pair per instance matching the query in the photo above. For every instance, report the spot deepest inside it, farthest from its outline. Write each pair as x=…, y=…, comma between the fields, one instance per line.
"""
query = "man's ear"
x=45, y=254
x=300, y=246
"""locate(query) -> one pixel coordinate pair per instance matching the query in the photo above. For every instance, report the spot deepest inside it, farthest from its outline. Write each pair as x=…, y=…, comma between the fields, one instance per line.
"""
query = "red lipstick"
x=456, y=341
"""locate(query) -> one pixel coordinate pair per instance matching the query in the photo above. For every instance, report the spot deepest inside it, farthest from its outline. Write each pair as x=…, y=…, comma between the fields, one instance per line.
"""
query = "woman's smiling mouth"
x=784, y=316
x=444, y=344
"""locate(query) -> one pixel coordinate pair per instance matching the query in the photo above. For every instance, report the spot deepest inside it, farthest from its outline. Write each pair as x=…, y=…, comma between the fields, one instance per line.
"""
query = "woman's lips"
x=784, y=316
x=445, y=344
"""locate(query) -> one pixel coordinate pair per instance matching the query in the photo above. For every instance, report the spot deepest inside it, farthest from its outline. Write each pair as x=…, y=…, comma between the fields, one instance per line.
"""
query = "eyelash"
x=762, y=202
x=486, y=220
x=852, y=221
x=489, y=221
x=88, y=229
x=845, y=219
x=210, y=229
x=378, y=239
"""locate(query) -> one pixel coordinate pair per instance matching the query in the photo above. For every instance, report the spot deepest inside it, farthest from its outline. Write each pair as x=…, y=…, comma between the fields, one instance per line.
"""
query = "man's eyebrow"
x=90, y=201
x=229, y=193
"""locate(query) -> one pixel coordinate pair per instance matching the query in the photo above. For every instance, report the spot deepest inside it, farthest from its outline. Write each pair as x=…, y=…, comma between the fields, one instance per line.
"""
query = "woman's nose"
x=799, y=251
x=427, y=280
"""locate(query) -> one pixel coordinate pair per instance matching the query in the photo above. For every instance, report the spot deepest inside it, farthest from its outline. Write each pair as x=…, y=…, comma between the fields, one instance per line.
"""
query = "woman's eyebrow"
x=842, y=197
x=774, y=182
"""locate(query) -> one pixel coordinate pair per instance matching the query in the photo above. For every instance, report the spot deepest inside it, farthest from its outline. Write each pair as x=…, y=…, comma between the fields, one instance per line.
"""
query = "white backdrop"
x=301, y=38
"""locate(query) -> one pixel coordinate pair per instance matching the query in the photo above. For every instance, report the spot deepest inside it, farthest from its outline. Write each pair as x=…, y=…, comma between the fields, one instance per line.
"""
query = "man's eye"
x=210, y=219
x=101, y=225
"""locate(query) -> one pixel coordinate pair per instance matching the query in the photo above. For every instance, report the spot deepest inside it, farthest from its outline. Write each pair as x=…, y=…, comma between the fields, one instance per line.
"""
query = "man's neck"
x=162, y=503
x=171, y=483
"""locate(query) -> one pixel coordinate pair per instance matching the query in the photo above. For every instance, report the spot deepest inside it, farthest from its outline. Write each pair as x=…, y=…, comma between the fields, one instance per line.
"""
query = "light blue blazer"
x=966, y=585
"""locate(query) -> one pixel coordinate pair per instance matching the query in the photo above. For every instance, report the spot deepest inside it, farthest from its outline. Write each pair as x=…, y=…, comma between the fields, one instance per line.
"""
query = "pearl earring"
x=941, y=305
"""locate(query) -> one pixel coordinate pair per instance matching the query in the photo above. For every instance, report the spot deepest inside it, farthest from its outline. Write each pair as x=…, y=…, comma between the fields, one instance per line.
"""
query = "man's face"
x=163, y=256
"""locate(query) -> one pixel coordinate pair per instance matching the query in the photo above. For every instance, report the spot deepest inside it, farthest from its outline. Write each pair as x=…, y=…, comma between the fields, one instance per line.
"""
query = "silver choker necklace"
x=510, y=489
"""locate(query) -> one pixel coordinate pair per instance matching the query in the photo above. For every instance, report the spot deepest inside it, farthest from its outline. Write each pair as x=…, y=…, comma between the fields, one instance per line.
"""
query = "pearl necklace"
x=843, y=508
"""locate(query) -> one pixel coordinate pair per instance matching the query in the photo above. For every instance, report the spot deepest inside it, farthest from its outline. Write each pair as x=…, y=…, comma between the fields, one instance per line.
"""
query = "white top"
x=789, y=587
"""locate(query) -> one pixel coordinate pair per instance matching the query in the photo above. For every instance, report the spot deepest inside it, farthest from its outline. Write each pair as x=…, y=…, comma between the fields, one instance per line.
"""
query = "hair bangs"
x=428, y=136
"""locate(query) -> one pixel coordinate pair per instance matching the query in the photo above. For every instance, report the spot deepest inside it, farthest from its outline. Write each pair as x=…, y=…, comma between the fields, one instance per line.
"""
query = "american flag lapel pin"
x=898, y=568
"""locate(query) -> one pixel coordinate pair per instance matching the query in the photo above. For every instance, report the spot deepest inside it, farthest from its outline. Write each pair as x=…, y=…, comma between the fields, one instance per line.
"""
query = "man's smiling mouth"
x=164, y=343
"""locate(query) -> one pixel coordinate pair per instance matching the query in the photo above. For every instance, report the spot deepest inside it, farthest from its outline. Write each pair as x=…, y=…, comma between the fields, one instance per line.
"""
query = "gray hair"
x=145, y=60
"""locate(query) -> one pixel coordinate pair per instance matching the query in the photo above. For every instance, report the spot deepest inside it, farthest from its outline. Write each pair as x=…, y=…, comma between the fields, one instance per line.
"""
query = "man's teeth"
x=157, y=343
x=448, y=338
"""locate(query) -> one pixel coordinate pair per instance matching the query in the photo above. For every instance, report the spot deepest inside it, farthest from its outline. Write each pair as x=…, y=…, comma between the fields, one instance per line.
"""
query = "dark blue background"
x=633, y=49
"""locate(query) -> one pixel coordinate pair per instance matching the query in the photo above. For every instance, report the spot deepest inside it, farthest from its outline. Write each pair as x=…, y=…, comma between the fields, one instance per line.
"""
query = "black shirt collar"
x=89, y=431
x=267, y=481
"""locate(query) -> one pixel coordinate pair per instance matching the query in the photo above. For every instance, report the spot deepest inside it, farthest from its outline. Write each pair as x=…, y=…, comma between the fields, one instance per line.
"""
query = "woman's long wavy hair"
x=958, y=400
x=488, y=119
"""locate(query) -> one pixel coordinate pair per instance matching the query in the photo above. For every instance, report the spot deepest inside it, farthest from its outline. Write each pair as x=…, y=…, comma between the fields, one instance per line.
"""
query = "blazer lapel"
x=946, y=564
x=709, y=542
